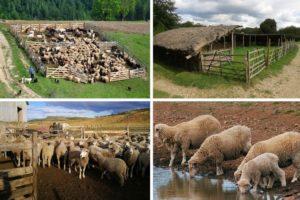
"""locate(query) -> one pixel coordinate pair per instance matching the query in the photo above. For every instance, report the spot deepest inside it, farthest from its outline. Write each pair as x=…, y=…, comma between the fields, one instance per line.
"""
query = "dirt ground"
x=6, y=66
x=127, y=27
x=265, y=120
x=56, y=184
x=285, y=85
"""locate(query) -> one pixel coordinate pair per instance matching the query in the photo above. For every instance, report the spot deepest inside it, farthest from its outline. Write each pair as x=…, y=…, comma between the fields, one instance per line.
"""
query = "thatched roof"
x=191, y=40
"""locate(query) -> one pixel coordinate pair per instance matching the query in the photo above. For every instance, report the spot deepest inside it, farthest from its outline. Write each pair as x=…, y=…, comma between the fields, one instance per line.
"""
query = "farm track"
x=284, y=85
x=5, y=72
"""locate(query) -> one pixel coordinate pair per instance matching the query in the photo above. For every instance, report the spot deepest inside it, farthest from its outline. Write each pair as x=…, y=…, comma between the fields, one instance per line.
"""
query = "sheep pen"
x=75, y=52
x=54, y=182
x=266, y=120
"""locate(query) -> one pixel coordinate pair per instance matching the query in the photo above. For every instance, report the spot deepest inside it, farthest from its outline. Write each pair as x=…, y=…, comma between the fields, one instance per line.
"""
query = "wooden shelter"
x=184, y=46
x=13, y=112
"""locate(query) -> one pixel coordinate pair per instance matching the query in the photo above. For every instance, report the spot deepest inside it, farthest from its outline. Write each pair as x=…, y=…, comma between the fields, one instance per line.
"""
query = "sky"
x=248, y=13
x=40, y=110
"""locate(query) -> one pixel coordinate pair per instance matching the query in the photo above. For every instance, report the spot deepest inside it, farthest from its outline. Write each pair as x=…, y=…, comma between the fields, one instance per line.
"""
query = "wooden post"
x=255, y=40
x=232, y=42
x=279, y=42
x=211, y=46
x=250, y=40
x=267, y=40
x=108, y=75
x=34, y=164
x=200, y=62
x=243, y=40
x=268, y=53
x=224, y=40
x=247, y=64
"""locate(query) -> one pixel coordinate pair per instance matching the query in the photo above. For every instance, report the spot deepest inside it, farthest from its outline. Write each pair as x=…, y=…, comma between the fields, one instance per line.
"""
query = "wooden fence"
x=20, y=183
x=257, y=60
x=222, y=62
x=240, y=66
x=60, y=72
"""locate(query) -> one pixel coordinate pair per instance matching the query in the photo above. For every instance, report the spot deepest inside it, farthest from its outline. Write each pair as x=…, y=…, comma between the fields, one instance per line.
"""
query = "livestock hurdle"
x=257, y=60
x=20, y=183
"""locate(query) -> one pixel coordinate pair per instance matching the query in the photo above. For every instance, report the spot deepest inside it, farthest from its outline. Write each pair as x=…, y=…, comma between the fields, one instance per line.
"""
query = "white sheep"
x=187, y=135
x=286, y=146
x=47, y=153
x=227, y=145
x=61, y=150
x=131, y=155
x=263, y=165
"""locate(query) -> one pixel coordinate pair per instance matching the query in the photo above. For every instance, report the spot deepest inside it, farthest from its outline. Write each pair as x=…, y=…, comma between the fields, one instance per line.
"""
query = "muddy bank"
x=265, y=120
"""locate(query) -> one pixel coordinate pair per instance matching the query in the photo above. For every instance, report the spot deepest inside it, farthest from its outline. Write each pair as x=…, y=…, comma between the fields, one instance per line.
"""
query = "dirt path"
x=6, y=66
x=284, y=85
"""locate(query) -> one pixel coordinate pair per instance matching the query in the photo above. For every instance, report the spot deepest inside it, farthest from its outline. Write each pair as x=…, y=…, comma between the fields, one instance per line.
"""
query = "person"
x=32, y=72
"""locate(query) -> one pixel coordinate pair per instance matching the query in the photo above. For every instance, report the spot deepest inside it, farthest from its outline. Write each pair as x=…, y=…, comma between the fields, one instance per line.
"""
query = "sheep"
x=114, y=166
x=227, y=145
x=144, y=161
x=81, y=158
x=130, y=157
x=186, y=135
x=47, y=153
x=286, y=146
x=61, y=150
x=262, y=165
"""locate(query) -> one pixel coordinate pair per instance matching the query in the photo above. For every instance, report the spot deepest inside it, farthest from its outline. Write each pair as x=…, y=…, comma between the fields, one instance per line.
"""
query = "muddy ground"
x=57, y=184
x=265, y=120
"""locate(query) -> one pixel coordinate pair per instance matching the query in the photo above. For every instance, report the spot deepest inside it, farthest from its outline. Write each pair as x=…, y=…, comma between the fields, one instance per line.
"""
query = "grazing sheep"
x=130, y=157
x=227, y=145
x=114, y=166
x=47, y=153
x=262, y=165
x=286, y=146
x=61, y=150
x=187, y=135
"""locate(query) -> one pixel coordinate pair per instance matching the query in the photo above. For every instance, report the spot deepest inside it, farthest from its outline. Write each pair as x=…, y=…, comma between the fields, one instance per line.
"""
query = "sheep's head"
x=237, y=175
x=159, y=129
x=244, y=185
x=193, y=169
x=84, y=153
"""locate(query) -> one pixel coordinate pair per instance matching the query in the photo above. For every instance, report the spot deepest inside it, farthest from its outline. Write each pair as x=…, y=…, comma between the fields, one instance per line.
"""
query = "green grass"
x=182, y=77
x=3, y=92
x=66, y=89
x=162, y=94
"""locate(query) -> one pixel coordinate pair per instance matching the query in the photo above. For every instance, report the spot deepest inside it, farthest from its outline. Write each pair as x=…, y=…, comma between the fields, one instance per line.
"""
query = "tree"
x=126, y=6
x=106, y=9
x=165, y=17
x=268, y=26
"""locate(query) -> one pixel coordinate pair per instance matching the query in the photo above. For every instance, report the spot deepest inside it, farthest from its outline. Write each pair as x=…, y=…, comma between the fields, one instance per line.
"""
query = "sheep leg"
x=80, y=172
x=19, y=160
x=281, y=174
x=5, y=154
x=183, y=158
x=131, y=171
x=296, y=163
x=263, y=182
x=256, y=181
x=49, y=161
x=83, y=172
x=121, y=180
x=219, y=161
x=143, y=171
x=58, y=161
x=173, y=154
x=44, y=161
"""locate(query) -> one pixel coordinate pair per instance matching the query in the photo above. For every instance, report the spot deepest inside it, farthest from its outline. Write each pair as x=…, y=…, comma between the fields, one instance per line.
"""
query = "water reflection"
x=170, y=184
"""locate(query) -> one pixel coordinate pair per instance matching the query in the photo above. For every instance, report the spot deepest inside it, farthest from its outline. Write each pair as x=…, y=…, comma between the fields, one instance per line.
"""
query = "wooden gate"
x=20, y=183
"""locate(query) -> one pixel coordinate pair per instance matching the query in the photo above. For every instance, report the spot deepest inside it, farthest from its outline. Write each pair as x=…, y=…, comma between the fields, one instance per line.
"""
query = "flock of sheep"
x=260, y=167
x=118, y=157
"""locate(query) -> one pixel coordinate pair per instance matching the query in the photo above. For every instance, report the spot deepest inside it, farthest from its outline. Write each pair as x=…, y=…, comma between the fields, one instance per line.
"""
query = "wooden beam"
x=9, y=173
x=13, y=184
x=34, y=164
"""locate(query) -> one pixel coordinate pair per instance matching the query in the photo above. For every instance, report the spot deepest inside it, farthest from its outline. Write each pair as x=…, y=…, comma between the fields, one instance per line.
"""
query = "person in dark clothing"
x=32, y=72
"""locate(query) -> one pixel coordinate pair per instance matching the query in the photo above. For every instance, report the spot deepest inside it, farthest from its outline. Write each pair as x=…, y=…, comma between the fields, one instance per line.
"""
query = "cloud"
x=249, y=13
x=40, y=110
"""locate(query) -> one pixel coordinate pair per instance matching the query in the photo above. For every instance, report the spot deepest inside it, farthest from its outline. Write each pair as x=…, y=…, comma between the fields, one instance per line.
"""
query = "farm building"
x=13, y=112
x=183, y=46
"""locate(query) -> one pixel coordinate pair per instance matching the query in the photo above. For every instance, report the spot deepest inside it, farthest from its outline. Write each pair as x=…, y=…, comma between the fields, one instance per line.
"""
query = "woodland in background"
x=166, y=18
x=75, y=9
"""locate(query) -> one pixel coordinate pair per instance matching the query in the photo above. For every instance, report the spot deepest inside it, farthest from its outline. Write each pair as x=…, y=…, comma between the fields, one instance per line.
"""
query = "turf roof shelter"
x=183, y=46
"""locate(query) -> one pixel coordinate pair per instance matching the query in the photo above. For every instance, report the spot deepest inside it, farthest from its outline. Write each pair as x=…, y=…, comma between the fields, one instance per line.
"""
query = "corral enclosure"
x=219, y=50
x=75, y=52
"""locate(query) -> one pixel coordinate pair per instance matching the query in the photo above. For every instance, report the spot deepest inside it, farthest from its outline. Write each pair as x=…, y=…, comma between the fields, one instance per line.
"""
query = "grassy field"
x=66, y=89
x=3, y=92
x=205, y=81
x=136, y=118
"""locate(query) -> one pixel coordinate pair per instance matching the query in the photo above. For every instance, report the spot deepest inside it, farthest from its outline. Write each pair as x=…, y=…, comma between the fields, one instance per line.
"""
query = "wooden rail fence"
x=242, y=66
x=20, y=183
